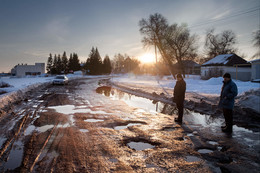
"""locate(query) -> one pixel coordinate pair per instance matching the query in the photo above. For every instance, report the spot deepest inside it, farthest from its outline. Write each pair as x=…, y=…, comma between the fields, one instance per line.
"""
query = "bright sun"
x=147, y=58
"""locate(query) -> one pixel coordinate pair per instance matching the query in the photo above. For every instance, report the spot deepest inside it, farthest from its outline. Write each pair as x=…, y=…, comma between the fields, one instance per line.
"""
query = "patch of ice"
x=44, y=128
x=84, y=130
x=29, y=130
x=71, y=109
x=93, y=120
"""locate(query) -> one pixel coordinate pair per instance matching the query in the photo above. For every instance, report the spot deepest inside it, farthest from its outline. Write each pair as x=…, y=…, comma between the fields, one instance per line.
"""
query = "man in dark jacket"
x=227, y=100
x=179, y=96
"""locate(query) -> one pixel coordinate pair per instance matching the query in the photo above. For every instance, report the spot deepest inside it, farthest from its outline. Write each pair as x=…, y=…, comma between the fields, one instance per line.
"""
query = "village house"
x=239, y=68
x=24, y=70
x=255, y=70
x=190, y=67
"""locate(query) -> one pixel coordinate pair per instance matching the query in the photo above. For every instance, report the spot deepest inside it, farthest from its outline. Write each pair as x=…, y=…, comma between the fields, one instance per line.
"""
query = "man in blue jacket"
x=227, y=100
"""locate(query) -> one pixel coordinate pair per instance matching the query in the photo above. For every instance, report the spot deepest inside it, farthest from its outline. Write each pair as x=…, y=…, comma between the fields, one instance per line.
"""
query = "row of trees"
x=61, y=64
x=94, y=64
x=175, y=43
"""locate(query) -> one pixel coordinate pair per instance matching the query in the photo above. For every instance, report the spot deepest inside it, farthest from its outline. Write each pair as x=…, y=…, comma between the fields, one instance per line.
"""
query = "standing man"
x=178, y=96
x=227, y=100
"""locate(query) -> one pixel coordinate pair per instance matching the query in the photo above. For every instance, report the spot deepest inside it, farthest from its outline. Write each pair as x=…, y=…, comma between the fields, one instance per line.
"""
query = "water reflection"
x=105, y=90
x=135, y=101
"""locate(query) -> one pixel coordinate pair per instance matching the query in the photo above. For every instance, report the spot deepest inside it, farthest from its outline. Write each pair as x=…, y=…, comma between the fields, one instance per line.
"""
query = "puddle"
x=213, y=142
x=190, y=134
x=15, y=156
x=145, y=104
x=192, y=159
x=2, y=140
x=139, y=145
x=93, y=120
x=124, y=127
x=84, y=130
x=113, y=160
x=205, y=151
x=170, y=128
x=150, y=165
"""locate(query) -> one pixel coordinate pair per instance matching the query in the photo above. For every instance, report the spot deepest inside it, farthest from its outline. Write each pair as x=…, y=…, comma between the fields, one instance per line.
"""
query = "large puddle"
x=196, y=121
x=15, y=156
x=139, y=146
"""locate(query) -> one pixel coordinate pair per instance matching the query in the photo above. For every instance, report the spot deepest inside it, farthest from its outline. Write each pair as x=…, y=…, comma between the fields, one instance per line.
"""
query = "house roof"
x=225, y=60
x=255, y=61
x=190, y=63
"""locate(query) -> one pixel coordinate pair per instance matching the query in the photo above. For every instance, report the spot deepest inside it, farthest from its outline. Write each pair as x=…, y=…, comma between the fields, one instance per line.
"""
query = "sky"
x=32, y=29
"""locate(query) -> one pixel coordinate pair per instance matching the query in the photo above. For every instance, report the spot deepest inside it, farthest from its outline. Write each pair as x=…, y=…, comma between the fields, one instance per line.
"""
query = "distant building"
x=239, y=68
x=255, y=70
x=24, y=70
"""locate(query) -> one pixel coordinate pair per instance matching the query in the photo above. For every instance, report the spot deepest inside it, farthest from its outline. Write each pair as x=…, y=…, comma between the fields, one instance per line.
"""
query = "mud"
x=73, y=128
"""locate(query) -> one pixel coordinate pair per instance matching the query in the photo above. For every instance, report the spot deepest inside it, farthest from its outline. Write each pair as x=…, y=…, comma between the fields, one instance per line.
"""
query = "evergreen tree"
x=54, y=66
x=87, y=66
x=64, y=62
x=70, y=64
x=95, y=62
x=59, y=65
x=49, y=64
x=76, y=64
x=107, y=67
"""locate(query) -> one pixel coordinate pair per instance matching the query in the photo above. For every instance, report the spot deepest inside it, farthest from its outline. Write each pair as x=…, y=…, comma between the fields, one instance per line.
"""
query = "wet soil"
x=79, y=128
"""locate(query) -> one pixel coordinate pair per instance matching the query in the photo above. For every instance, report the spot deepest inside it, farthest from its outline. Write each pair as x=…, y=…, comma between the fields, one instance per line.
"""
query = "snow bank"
x=194, y=83
x=19, y=86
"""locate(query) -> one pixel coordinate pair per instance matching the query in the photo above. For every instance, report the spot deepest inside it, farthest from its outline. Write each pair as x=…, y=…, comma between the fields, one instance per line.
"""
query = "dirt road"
x=79, y=128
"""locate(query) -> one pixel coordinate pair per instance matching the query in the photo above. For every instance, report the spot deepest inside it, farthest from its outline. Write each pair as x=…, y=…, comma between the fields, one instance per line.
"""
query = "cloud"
x=36, y=53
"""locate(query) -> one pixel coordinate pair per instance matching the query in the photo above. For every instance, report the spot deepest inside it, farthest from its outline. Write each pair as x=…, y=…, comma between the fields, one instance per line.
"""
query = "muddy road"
x=85, y=127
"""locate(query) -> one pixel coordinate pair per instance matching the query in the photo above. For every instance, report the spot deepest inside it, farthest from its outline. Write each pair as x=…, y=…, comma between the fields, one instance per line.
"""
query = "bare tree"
x=154, y=29
x=217, y=44
x=180, y=44
x=256, y=40
x=173, y=42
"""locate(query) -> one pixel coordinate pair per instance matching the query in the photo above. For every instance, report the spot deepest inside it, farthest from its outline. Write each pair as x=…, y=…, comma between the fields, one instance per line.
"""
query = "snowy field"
x=193, y=82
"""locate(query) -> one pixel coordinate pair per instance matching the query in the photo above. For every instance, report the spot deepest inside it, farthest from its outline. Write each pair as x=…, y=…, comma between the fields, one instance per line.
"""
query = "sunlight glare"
x=147, y=58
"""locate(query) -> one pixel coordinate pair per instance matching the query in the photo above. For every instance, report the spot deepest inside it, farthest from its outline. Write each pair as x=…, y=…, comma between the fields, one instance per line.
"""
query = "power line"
x=227, y=17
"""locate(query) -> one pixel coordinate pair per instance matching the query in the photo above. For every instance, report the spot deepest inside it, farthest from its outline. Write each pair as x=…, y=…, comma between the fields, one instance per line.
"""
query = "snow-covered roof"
x=220, y=59
x=255, y=61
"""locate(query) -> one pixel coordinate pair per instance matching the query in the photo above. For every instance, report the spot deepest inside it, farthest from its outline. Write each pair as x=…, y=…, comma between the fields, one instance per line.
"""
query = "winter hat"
x=226, y=75
x=179, y=76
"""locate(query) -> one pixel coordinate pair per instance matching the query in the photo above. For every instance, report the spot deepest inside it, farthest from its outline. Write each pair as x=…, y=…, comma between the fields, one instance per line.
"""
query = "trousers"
x=228, y=115
x=180, y=107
